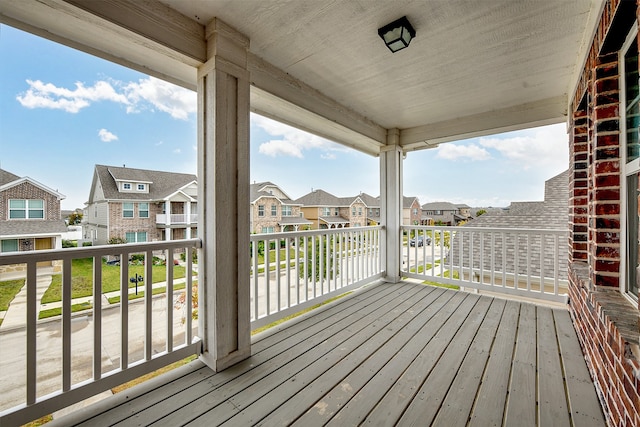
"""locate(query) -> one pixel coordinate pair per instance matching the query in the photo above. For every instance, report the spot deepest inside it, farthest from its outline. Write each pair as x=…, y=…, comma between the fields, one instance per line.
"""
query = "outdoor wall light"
x=398, y=34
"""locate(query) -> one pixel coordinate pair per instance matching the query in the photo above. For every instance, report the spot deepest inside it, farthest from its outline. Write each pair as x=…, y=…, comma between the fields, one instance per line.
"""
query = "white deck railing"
x=294, y=270
x=162, y=339
x=524, y=262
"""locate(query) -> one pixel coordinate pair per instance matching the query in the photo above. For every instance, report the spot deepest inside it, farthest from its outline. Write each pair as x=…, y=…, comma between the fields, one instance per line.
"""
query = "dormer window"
x=142, y=187
x=126, y=186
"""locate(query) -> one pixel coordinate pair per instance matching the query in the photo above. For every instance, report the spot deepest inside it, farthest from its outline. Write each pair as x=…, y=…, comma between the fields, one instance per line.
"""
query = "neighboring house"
x=464, y=211
x=550, y=214
x=411, y=211
x=328, y=211
x=140, y=205
x=272, y=210
x=440, y=213
x=30, y=217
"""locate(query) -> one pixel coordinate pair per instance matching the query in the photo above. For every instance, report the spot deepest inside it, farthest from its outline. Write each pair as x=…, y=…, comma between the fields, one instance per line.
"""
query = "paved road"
x=49, y=342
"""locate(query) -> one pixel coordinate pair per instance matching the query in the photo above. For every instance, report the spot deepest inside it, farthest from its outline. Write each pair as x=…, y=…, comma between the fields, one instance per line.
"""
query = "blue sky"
x=63, y=111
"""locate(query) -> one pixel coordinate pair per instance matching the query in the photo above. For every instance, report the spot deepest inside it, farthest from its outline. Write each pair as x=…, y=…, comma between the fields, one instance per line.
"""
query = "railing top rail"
x=89, y=251
x=487, y=229
x=293, y=234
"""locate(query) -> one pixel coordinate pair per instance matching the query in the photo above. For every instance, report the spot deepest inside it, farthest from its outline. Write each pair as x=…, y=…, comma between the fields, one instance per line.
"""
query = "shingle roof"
x=255, y=192
x=7, y=177
x=439, y=206
x=162, y=184
x=550, y=214
x=28, y=228
x=319, y=198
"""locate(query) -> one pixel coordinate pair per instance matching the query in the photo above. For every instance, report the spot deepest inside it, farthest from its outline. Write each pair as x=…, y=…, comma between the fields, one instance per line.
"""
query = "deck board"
x=401, y=354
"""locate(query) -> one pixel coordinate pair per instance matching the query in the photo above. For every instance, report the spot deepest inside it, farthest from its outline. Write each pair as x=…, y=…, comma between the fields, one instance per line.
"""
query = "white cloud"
x=147, y=93
x=177, y=151
x=290, y=141
x=174, y=100
x=545, y=146
x=47, y=95
x=107, y=136
x=275, y=148
x=469, y=152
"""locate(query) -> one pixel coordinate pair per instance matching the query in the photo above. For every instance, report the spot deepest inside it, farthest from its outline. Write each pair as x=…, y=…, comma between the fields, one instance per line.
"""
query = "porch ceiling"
x=474, y=68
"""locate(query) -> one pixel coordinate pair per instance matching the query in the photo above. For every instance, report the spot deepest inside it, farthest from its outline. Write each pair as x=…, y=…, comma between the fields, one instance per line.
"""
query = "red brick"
x=608, y=281
x=607, y=112
x=607, y=180
x=607, y=194
x=605, y=167
x=607, y=209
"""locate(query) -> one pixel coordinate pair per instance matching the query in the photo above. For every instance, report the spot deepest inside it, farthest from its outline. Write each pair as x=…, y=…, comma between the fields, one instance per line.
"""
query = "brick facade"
x=119, y=226
x=607, y=324
x=26, y=190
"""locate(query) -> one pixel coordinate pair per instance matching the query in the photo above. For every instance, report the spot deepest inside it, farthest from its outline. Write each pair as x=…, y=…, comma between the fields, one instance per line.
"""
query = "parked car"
x=421, y=240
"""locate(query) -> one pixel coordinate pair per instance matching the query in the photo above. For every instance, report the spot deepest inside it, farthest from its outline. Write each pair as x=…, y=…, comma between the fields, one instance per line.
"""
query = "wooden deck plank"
x=316, y=330
x=413, y=369
x=520, y=411
x=584, y=406
x=490, y=403
x=406, y=385
x=285, y=381
x=264, y=378
x=426, y=404
x=372, y=380
x=323, y=374
x=401, y=354
x=458, y=403
x=552, y=400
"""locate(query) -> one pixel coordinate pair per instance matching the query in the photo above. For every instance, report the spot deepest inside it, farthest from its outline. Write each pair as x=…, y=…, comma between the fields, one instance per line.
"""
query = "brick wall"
x=119, y=226
x=29, y=191
x=606, y=322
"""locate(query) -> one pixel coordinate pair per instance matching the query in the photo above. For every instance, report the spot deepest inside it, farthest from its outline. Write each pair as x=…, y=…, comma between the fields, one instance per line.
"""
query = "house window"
x=127, y=210
x=9, y=245
x=336, y=212
x=359, y=211
x=286, y=211
x=274, y=210
x=268, y=229
x=353, y=211
x=126, y=186
x=26, y=209
x=415, y=211
x=326, y=211
x=141, y=187
x=136, y=236
x=260, y=210
x=631, y=125
x=143, y=210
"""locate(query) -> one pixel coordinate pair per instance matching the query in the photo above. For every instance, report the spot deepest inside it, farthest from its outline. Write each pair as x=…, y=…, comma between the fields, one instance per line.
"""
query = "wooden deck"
x=402, y=354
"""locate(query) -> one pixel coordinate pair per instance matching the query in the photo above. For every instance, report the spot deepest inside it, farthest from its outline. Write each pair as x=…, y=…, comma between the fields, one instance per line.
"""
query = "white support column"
x=187, y=219
x=223, y=198
x=391, y=203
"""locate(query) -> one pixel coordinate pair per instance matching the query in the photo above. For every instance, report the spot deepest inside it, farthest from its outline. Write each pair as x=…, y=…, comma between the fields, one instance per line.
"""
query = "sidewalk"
x=16, y=315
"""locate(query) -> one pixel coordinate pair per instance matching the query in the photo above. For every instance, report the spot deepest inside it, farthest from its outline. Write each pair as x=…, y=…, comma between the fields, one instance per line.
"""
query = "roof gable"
x=9, y=180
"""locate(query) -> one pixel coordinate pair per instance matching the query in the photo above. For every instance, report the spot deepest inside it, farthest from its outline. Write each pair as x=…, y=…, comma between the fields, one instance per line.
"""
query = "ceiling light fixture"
x=398, y=34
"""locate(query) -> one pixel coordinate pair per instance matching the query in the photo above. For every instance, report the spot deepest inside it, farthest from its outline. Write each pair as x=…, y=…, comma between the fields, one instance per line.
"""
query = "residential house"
x=272, y=210
x=30, y=217
x=140, y=205
x=441, y=213
x=464, y=211
x=411, y=211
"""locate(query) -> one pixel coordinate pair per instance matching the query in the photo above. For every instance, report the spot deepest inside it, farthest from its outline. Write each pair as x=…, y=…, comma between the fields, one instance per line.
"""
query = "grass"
x=82, y=279
x=57, y=311
x=447, y=273
x=8, y=291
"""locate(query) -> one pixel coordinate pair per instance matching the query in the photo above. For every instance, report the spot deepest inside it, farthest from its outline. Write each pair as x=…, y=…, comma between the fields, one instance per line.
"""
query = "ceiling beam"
x=518, y=117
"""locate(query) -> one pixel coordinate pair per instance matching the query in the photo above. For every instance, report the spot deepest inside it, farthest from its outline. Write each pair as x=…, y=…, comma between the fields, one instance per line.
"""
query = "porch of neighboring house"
x=388, y=354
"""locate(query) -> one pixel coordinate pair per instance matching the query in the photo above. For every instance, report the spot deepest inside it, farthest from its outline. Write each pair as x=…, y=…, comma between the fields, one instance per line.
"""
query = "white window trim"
x=133, y=210
x=26, y=210
x=627, y=168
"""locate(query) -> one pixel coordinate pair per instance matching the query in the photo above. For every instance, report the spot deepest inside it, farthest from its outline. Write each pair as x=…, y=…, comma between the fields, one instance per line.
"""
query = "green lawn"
x=82, y=278
x=8, y=291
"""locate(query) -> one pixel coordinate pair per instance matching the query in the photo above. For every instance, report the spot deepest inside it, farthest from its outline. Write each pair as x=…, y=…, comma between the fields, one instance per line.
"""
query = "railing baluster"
x=32, y=317
x=124, y=310
x=188, y=295
x=169, y=288
x=148, y=301
x=256, y=277
x=287, y=256
x=97, y=317
x=66, y=324
x=278, y=274
x=267, y=273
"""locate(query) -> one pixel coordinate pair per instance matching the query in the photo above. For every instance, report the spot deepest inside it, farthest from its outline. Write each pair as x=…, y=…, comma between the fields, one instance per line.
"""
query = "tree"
x=329, y=267
x=75, y=218
x=117, y=240
x=481, y=212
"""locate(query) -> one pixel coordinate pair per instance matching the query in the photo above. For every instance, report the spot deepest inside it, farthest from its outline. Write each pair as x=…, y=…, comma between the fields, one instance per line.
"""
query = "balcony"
x=176, y=219
x=385, y=353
